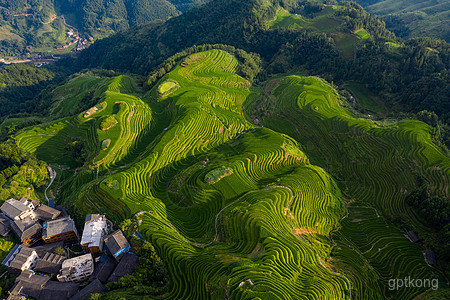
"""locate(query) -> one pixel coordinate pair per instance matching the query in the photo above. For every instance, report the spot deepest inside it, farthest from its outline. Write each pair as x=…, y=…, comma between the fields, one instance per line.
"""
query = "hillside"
x=268, y=190
x=339, y=42
x=43, y=25
x=416, y=18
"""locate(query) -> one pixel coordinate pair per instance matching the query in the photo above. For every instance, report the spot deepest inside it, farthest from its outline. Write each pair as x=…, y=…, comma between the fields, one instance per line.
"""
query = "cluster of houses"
x=46, y=273
x=75, y=39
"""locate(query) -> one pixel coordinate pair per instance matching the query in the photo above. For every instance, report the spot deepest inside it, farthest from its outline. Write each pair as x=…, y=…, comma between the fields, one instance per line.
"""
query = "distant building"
x=429, y=257
x=95, y=228
x=50, y=263
x=21, y=258
x=126, y=266
x=410, y=235
x=46, y=213
x=117, y=244
x=60, y=230
x=77, y=269
x=5, y=224
x=17, y=210
x=27, y=230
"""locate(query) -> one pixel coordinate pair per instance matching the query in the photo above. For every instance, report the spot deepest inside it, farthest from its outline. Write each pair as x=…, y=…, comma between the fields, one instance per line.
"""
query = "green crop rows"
x=238, y=210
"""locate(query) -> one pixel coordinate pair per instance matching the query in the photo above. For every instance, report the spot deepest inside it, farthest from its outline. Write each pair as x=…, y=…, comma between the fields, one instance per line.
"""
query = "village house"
x=18, y=210
x=95, y=228
x=429, y=257
x=50, y=263
x=126, y=266
x=29, y=284
x=21, y=258
x=76, y=269
x=5, y=224
x=62, y=229
x=411, y=236
x=117, y=244
x=28, y=230
x=46, y=213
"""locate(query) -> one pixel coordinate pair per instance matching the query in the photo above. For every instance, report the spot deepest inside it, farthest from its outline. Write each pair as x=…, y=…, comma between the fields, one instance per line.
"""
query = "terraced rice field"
x=373, y=164
x=270, y=223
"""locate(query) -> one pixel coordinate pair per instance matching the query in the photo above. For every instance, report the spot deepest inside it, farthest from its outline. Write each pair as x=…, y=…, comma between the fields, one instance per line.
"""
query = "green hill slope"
x=237, y=210
x=413, y=18
x=43, y=24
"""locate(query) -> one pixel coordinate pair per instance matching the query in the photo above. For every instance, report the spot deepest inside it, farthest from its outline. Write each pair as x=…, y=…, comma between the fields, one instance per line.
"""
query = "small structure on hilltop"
x=5, y=224
x=117, y=244
x=126, y=266
x=46, y=213
x=76, y=269
x=95, y=228
x=21, y=258
x=60, y=230
x=28, y=230
x=411, y=236
x=18, y=210
x=50, y=263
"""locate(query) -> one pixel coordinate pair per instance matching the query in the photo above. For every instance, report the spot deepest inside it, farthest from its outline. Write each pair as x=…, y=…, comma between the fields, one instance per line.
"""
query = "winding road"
x=52, y=174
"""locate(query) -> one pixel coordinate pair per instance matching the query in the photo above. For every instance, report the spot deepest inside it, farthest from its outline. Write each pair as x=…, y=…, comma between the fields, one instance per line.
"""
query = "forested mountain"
x=413, y=18
x=43, y=23
x=400, y=71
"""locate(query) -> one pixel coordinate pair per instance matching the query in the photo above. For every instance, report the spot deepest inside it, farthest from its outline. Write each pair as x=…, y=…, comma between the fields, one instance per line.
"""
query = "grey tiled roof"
x=50, y=263
x=13, y=208
x=58, y=226
x=94, y=287
x=126, y=266
x=116, y=241
x=25, y=231
x=46, y=213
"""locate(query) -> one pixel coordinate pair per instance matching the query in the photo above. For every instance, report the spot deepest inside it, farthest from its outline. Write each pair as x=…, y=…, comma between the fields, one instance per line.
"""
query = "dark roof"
x=126, y=266
x=46, y=213
x=50, y=263
x=17, y=257
x=43, y=249
x=24, y=230
x=13, y=208
x=58, y=226
x=429, y=257
x=29, y=284
x=93, y=288
x=116, y=241
x=412, y=236
x=5, y=224
x=58, y=290
x=103, y=270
